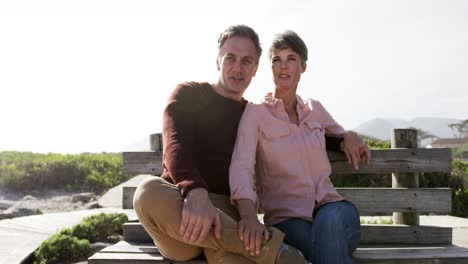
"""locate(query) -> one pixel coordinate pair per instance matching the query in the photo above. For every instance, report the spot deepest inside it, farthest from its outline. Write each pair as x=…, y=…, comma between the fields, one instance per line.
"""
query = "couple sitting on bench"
x=225, y=158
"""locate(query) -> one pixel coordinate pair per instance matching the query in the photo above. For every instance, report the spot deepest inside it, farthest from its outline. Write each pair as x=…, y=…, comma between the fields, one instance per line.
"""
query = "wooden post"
x=405, y=138
x=156, y=142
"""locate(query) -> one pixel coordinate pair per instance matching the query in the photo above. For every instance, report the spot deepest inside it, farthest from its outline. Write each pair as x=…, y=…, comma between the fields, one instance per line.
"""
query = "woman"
x=280, y=164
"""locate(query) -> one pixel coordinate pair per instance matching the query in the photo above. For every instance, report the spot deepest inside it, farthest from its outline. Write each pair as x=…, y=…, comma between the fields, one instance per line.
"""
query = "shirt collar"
x=272, y=101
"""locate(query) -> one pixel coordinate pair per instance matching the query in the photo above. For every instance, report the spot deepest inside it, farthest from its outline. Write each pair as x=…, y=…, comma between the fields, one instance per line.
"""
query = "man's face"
x=237, y=63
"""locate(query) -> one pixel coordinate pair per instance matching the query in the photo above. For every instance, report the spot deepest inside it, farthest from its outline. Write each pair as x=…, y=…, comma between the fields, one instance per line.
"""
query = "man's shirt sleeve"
x=178, y=139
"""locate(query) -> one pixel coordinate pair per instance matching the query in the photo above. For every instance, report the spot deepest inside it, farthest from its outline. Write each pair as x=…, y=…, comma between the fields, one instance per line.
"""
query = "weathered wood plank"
x=396, y=160
x=383, y=161
x=121, y=258
x=375, y=201
x=405, y=235
x=131, y=247
x=445, y=254
x=147, y=162
x=405, y=138
x=125, y=248
x=370, y=234
x=127, y=196
x=384, y=201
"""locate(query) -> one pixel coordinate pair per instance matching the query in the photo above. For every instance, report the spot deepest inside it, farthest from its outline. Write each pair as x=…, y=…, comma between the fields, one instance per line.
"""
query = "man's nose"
x=237, y=65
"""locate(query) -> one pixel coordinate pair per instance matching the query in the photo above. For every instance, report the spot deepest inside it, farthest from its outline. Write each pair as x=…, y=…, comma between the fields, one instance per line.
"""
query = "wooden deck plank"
x=120, y=258
x=125, y=252
x=404, y=254
x=131, y=247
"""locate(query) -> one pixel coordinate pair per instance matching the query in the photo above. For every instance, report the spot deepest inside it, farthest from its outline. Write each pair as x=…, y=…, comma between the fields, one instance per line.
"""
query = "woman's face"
x=287, y=68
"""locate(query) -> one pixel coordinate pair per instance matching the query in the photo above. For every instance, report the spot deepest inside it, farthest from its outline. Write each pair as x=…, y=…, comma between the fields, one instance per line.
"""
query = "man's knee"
x=151, y=193
x=185, y=254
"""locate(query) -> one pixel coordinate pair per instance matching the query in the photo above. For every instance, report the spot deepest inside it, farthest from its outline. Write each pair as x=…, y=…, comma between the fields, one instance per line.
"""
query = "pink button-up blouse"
x=282, y=167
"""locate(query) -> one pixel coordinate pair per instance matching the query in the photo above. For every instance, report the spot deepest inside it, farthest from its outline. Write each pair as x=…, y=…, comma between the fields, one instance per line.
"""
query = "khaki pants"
x=158, y=205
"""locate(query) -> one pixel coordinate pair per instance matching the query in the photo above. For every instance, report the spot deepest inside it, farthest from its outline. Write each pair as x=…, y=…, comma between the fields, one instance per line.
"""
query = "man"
x=188, y=211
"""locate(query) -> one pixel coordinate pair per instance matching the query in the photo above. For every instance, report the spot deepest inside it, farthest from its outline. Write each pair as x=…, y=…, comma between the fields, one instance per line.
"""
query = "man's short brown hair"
x=240, y=31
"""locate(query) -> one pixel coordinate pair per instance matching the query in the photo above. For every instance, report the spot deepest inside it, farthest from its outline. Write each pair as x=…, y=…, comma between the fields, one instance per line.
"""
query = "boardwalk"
x=22, y=235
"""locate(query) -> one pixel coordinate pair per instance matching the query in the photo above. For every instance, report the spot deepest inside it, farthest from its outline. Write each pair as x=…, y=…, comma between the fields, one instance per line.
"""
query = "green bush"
x=460, y=203
x=102, y=227
x=89, y=172
x=74, y=244
x=375, y=143
x=61, y=248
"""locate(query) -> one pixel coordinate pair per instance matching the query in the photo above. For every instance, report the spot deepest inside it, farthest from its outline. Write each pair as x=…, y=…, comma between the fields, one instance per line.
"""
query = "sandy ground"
x=47, y=201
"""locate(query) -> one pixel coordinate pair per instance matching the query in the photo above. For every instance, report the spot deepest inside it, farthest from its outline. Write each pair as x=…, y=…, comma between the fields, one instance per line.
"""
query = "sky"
x=94, y=76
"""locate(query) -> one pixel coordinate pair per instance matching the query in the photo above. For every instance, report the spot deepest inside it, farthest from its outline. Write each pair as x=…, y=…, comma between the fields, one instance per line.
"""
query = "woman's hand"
x=251, y=232
x=355, y=149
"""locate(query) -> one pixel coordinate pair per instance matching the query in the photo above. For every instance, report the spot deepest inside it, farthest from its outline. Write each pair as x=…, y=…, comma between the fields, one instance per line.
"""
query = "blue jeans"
x=331, y=238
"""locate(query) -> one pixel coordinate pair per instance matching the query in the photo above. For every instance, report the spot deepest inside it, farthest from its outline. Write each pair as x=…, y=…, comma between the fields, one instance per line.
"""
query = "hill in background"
x=381, y=127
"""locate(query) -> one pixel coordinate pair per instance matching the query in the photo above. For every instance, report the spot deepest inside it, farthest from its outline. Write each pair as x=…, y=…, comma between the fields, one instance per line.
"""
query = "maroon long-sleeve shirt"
x=199, y=133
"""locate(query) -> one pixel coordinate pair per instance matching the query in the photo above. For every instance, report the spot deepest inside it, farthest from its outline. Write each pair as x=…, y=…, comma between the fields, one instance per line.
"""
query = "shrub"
x=460, y=203
x=89, y=172
x=61, y=248
x=102, y=227
x=74, y=244
x=375, y=143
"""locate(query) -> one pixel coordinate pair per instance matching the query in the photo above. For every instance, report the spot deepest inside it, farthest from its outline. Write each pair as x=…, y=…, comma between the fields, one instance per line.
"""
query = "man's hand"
x=355, y=149
x=198, y=216
x=251, y=231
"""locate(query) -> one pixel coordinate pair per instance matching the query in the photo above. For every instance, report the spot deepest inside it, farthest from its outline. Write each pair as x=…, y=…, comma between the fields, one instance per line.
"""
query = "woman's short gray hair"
x=290, y=39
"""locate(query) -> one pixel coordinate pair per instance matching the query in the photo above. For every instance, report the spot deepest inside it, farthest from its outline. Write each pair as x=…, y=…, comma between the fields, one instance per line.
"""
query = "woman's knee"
x=338, y=216
x=338, y=222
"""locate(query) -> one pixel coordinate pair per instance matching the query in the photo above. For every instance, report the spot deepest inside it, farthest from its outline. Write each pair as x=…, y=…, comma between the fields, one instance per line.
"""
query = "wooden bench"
x=403, y=242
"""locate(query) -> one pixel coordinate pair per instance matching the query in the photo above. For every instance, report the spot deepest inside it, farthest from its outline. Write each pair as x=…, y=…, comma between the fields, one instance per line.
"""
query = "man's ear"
x=217, y=63
x=304, y=67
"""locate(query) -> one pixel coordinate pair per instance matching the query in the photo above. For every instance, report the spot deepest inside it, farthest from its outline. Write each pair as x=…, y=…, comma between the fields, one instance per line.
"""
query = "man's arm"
x=178, y=139
x=333, y=143
x=198, y=212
